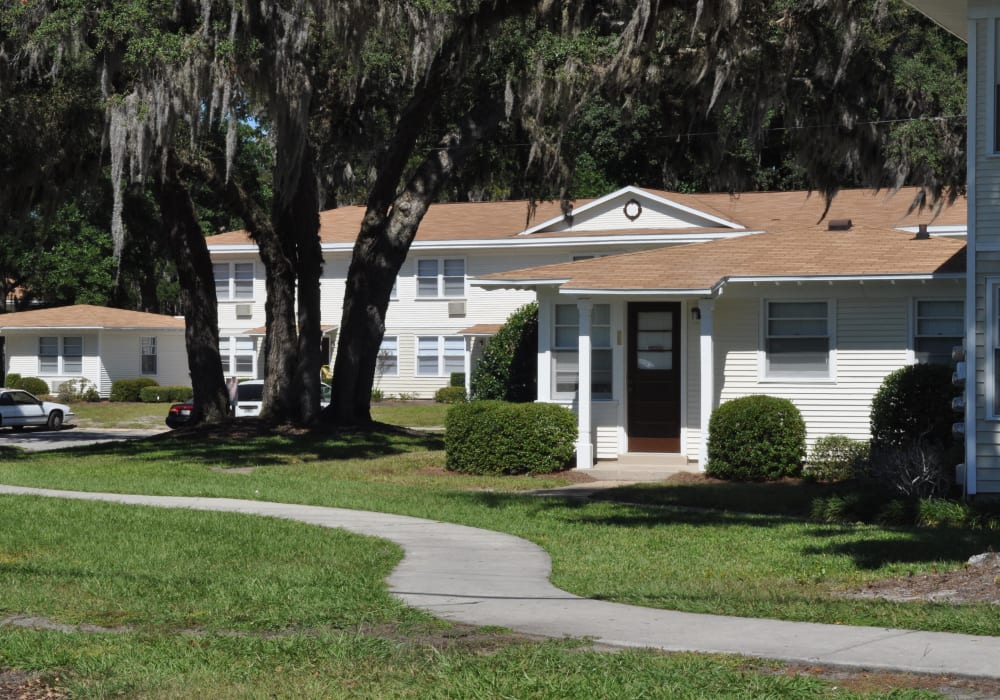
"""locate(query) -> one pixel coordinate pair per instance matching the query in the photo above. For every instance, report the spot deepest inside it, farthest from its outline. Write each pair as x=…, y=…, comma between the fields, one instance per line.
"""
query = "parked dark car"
x=180, y=414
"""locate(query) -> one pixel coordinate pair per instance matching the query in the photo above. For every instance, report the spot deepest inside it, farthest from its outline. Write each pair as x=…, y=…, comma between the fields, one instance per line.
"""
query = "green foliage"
x=836, y=458
x=377, y=395
x=130, y=389
x=496, y=437
x=913, y=405
x=755, y=438
x=164, y=394
x=457, y=379
x=450, y=394
x=12, y=380
x=878, y=507
x=36, y=386
x=508, y=368
x=76, y=390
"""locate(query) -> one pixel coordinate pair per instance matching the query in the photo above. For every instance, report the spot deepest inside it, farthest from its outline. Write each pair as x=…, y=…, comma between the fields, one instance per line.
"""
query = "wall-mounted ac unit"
x=456, y=309
x=244, y=310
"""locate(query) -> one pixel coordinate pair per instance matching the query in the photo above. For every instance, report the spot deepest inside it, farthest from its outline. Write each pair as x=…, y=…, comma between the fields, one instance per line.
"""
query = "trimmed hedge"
x=756, y=438
x=36, y=386
x=130, y=389
x=496, y=437
x=165, y=394
x=12, y=380
x=450, y=394
x=508, y=369
x=837, y=458
x=457, y=379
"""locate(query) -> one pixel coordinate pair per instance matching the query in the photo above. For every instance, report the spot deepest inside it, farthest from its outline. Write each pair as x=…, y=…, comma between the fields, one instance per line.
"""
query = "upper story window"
x=939, y=326
x=60, y=355
x=565, y=351
x=440, y=278
x=233, y=281
x=797, y=340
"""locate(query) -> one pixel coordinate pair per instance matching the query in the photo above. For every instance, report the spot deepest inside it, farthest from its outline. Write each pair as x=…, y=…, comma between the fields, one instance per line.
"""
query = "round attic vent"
x=632, y=209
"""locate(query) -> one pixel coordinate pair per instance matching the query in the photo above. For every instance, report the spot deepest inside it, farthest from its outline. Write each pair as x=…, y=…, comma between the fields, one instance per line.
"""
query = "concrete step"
x=643, y=467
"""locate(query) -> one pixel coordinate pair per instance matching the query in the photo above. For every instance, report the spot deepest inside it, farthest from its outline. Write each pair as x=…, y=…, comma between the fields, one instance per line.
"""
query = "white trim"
x=970, y=281
x=637, y=292
x=888, y=277
x=440, y=261
x=991, y=343
x=442, y=369
x=991, y=82
x=585, y=404
x=831, y=330
x=706, y=308
x=634, y=191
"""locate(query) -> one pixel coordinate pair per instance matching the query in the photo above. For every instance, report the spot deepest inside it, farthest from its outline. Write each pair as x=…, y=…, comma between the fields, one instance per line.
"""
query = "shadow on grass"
x=917, y=546
x=248, y=442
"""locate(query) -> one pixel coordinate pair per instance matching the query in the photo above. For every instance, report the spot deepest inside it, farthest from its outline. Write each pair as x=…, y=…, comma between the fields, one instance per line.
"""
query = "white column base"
x=584, y=455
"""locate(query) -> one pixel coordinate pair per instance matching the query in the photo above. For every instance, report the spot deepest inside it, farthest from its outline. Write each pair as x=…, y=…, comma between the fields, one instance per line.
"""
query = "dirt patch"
x=976, y=582
x=21, y=685
x=886, y=682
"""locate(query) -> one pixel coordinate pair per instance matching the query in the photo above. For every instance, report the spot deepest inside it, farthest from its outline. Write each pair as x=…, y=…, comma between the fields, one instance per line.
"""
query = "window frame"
x=917, y=318
x=60, y=362
x=440, y=278
x=230, y=357
x=991, y=332
x=147, y=342
x=233, y=282
x=769, y=375
x=394, y=341
x=568, y=355
x=441, y=354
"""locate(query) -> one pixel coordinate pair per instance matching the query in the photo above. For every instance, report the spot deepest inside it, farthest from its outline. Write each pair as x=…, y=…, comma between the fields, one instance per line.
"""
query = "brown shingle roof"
x=87, y=316
x=756, y=211
x=815, y=252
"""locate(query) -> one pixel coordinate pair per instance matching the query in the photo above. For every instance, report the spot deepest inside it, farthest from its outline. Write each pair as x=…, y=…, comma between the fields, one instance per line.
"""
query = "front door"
x=654, y=377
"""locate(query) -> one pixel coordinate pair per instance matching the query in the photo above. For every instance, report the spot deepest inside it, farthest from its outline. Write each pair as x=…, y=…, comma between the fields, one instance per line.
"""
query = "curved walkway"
x=480, y=577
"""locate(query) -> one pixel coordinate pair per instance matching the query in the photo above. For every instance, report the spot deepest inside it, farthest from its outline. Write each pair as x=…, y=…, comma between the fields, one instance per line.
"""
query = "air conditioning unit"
x=244, y=310
x=456, y=309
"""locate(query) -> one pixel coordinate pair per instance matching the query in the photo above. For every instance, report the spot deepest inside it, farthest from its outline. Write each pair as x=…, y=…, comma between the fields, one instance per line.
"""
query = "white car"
x=19, y=408
x=250, y=394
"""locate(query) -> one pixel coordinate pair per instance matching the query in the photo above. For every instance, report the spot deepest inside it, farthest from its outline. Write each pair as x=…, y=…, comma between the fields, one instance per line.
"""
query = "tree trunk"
x=194, y=268
x=387, y=231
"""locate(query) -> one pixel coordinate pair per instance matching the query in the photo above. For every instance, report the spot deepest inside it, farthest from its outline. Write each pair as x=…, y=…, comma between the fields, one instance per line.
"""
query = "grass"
x=235, y=606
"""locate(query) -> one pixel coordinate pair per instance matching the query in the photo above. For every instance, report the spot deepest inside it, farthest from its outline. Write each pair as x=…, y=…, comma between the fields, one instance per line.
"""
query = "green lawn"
x=219, y=602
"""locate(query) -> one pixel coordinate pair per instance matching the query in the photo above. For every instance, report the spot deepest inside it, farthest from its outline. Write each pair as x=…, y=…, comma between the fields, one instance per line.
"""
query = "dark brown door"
x=654, y=377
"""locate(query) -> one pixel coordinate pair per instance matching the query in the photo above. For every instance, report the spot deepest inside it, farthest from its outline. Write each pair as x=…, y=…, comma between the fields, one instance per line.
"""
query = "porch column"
x=470, y=344
x=706, y=307
x=584, y=443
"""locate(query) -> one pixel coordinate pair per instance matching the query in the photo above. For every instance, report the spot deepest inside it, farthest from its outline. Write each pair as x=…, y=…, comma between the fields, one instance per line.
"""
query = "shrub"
x=165, y=394
x=130, y=389
x=12, y=380
x=913, y=403
x=836, y=458
x=756, y=438
x=913, y=453
x=450, y=394
x=74, y=390
x=496, y=437
x=457, y=379
x=36, y=386
x=508, y=368
x=377, y=395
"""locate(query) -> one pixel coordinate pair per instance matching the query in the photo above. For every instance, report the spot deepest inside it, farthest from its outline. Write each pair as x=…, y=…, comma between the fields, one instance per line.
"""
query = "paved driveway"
x=38, y=440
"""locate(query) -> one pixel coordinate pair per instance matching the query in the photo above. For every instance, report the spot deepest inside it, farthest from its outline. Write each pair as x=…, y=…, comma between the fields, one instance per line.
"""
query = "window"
x=440, y=355
x=387, y=364
x=48, y=355
x=993, y=338
x=237, y=355
x=440, y=278
x=938, y=328
x=233, y=281
x=68, y=361
x=797, y=339
x=147, y=351
x=566, y=339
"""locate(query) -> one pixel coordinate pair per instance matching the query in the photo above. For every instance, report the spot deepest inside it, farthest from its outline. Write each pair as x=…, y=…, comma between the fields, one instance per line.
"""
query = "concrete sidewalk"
x=486, y=578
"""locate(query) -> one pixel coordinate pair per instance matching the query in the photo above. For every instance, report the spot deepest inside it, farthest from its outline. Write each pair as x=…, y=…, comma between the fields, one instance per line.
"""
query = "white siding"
x=655, y=215
x=121, y=358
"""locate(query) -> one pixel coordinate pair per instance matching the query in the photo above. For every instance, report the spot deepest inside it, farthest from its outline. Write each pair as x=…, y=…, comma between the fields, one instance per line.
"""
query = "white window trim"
x=440, y=279
x=232, y=355
x=554, y=349
x=381, y=349
x=155, y=355
x=441, y=370
x=992, y=147
x=831, y=329
x=991, y=329
x=230, y=297
x=915, y=321
x=60, y=356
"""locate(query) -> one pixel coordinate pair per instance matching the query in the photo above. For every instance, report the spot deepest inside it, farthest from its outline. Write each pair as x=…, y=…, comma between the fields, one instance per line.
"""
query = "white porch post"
x=584, y=443
x=470, y=343
x=706, y=307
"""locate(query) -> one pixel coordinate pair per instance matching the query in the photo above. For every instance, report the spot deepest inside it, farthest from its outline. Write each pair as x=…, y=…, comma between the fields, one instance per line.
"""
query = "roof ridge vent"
x=922, y=233
x=839, y=225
